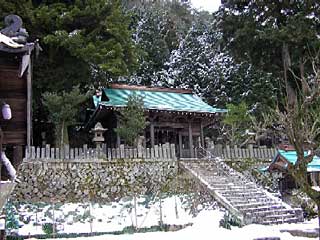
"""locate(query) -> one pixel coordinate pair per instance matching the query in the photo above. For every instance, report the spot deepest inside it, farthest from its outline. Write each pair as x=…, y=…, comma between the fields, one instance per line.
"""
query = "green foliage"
x=11, y=217
x=63, y=108
x=257, y=30
x=84, y=43
x=132, y=120
x=159, y=27
x=237, y=120
x=229, y=220
x=48, y=228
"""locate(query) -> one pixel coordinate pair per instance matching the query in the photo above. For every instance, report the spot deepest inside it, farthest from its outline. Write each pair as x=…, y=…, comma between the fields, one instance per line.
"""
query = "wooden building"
x=15, y=90
x=287, y=155
x=174, y=116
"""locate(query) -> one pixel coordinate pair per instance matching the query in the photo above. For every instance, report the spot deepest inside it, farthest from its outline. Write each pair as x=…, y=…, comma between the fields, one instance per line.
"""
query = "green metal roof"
x=160, y=100
x=291, y=156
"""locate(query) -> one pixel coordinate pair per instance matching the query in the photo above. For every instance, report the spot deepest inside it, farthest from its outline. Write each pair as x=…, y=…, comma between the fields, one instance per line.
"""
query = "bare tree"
x=299, y=116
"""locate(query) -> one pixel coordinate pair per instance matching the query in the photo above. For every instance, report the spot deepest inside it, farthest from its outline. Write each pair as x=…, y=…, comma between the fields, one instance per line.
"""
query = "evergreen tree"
x=160, y=27
x=84, y=43
x=132, y=120
x=203, y=64
x=63, y=109
x=237, y=121
x=264, y=33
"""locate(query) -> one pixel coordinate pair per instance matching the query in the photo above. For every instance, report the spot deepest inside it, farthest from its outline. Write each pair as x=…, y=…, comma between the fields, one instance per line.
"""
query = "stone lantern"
x=98, y=131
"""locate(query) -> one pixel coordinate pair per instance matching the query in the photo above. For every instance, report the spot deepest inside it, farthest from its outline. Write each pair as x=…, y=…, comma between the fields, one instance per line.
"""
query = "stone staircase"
x=239, y=195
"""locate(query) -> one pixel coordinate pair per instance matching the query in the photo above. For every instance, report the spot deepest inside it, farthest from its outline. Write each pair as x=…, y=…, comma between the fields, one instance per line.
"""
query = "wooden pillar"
x=152, y=134
x=118, y=140
x=191, y=141
x=29, y=105
x=180, y=144
x=201, y=135
x=17, y=156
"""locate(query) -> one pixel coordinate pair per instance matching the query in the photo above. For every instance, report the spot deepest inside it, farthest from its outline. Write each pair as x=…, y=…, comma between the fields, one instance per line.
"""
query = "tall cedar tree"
x=132, y=120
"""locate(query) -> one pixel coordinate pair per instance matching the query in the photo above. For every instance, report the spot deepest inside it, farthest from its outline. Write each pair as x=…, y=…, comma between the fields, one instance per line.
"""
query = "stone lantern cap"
x=98, y=128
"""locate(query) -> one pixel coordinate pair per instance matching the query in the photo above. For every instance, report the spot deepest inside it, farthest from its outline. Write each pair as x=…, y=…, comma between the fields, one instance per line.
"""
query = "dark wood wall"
x=13, y=90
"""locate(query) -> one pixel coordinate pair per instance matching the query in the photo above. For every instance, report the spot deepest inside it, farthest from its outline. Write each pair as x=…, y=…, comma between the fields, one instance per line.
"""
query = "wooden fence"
x=165, y=151
x=228, y=152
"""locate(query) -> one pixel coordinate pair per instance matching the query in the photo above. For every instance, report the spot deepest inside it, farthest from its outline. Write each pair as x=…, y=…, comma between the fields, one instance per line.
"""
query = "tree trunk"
x=62, y=134
x=135, y=211
x=318, y=206
x=2, y=234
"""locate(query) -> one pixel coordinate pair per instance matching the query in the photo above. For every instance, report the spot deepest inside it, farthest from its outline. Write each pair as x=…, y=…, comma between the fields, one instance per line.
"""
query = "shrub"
x=48, y=228
x=229, y=220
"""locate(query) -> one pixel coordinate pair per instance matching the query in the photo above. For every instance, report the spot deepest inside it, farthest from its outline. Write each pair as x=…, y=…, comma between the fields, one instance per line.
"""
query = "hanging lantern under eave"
x=6, y=111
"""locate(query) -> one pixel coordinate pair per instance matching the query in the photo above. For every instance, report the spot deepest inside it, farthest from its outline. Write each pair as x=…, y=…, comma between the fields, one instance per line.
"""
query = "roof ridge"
x=151, y=89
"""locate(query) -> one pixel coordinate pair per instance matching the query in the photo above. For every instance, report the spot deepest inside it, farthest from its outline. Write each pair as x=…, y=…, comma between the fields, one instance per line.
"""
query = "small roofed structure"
x=15, y=90
x=173, y=115
x=284, y=156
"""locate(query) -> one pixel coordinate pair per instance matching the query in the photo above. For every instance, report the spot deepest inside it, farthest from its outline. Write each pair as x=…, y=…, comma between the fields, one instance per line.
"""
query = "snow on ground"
x=206, y=226
x=175, y=210
x=74, y=218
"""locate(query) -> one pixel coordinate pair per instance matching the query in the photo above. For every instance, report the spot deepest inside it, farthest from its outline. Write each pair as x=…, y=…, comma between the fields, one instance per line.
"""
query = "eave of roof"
x=26, y=48
x=291, y=157
x=164, y=100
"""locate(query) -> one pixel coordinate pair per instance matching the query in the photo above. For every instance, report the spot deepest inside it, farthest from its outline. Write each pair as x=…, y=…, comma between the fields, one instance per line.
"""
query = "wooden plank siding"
x=13, y=90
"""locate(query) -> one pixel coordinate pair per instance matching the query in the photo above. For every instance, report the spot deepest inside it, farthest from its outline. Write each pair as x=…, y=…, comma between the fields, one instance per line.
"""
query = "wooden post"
x=47, y=151
x=29, y=104
x=201, y=135
x=251, y=151
x=17, y=156
x=152, y=134
x=121, y=155
x=228, y=154
x=118, y=141
x=173, y=151
x=85, y=150
x=33, y=152
x=43, y=153
x=191, y=140
x=52, y=155
x=180, y=144
x=156, y=151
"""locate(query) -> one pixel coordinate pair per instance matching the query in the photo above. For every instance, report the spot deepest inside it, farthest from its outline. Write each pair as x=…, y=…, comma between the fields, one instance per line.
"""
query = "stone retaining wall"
x=97, y=181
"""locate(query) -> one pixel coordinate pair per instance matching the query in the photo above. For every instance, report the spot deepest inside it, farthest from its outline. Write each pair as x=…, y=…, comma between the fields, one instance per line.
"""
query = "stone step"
x=228, y=188
x=248, y=191
x=258, y=206
x=241, y=200
x=278, y=221
x=243, y=194
x=274, y=216
x=276, y=212
x=254, y=208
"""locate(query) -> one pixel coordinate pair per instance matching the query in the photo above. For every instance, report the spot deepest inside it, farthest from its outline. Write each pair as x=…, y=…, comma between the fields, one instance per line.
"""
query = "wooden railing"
x=165, y=151
x=228, y=152
x=235, y=152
